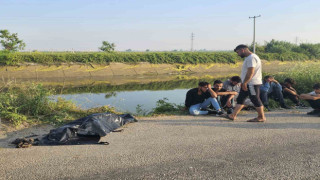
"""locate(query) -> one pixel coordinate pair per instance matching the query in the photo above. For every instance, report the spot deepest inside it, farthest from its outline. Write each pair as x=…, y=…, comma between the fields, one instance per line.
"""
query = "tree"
x=107, y=47
x=129, y=50
x=11, y=42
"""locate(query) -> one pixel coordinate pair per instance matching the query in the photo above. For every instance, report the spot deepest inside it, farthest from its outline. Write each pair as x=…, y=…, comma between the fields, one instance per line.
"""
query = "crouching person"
x=225, y=98
x=313, y=99
x=198, y=100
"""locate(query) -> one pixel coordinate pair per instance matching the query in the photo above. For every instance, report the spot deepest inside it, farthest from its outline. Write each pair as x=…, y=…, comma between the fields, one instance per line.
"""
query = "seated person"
x=200, y=98
x=224, y=96
x=289, y=92
x=271, y=88
x=233, y=85
x=313, y=99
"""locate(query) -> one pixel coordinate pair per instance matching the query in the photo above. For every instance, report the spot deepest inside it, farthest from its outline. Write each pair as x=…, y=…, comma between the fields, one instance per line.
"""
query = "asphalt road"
x=287, y=146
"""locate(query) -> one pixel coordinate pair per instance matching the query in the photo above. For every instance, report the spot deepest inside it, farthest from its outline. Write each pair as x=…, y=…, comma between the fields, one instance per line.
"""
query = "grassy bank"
x=31, y=104
x=50, y=58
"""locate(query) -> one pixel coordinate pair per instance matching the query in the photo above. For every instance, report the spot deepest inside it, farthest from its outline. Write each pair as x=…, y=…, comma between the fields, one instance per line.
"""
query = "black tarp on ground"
x=87, y=129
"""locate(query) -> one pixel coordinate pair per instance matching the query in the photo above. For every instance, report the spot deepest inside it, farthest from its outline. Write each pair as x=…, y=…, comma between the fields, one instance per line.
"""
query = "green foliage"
x=32, y=104
x=165, y=107
x=107, y=47
x=306, y=75
x=282, y=50
x=279, y=46
x=11, y=42
x=122, y=57
x=141, y=112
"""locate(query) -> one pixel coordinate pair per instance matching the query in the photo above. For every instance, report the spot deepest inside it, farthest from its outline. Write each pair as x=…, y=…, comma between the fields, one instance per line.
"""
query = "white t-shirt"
x=252, y=61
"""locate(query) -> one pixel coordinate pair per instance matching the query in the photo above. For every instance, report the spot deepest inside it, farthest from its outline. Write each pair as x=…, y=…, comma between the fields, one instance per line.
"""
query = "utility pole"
x=254, y=32
x=192, y=36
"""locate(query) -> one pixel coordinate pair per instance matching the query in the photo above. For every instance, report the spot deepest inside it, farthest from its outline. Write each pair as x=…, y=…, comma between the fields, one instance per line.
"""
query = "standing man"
x=251, y=76
x=198, y=100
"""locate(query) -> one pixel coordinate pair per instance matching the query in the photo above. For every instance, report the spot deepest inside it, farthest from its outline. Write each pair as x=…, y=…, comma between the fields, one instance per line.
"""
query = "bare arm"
x=290, y=91
x=226, y=93
x=309, y=97
x=213, y=94
x=248, y=77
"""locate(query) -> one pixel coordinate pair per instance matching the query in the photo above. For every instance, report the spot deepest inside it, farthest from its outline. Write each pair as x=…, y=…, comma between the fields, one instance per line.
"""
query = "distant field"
x=49, y=58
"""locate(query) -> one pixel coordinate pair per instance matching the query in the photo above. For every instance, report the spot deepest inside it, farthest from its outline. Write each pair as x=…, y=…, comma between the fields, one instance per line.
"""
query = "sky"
x=158, y=25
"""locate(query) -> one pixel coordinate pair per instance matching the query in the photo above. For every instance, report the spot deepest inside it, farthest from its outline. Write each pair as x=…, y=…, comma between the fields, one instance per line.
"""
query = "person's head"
x=217, y=85
x=316, y=88
x=235, y=80
x=203, y=86
x=268, y=78
x=242, y=50
x=289, y=82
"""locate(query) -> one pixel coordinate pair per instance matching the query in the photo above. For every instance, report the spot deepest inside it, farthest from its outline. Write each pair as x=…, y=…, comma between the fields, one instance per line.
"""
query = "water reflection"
x=126, y=101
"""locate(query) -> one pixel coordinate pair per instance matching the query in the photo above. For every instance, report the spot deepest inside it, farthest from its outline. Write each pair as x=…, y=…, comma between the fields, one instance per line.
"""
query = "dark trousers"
x=276, y=94
x=253, y=93
x=292, y=97
x=223, y=100
x=315, y=104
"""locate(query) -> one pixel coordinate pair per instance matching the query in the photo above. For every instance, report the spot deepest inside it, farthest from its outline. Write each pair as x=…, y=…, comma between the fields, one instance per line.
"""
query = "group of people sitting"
x=206, y=99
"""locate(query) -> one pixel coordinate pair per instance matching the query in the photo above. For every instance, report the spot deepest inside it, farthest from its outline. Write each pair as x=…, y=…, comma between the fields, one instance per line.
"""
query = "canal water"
x=126, y=97
x=126, y=101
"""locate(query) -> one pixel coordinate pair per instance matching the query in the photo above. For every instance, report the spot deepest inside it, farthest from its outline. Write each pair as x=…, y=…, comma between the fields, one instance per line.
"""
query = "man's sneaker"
x=267, y=107
x=211, y=111
x=285, y=107
x=301, y=106
x=230, y=111
x=314, y=112
x=221, y=112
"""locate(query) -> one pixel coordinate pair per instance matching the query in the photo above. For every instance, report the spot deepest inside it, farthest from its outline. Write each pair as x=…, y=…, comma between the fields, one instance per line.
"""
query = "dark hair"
x=290, y=81
x=202, y=83
x=236, y=79
x=316, y=86
x=241, y=46
x=217, y=82
x=267, y=77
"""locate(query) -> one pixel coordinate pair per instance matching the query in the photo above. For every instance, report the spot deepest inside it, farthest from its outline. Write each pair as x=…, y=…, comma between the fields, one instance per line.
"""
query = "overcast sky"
x=82, y=25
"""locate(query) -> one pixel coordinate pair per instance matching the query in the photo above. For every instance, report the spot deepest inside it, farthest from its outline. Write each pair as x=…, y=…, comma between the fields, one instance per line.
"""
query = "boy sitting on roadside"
x=198, y=100
x=224, y=97
x=271, y=88
x=313, y=99
x=289, y=92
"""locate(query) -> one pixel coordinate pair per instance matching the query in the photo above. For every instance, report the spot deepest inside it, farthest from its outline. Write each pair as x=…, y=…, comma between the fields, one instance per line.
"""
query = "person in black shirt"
x=291, y=93
x=313, y=99
x=224, y=97
x=200, y=98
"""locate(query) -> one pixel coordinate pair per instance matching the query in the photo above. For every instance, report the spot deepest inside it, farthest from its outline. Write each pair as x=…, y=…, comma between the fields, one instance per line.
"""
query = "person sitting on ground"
x=224, y=97
x=198, y=99
x=234, y=84
x=289, y=92
x=271, y=88
x=313, y=99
